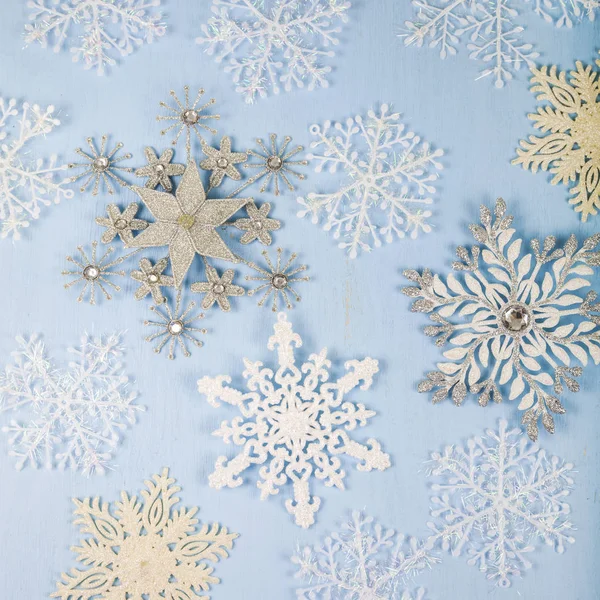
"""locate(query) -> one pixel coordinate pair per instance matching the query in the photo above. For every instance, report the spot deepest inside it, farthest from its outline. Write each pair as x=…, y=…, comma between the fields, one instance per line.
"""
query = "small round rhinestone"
x=274, y=163
x=100, y=164
x=91, y=272
x=190, y=117
x=218, y=288
x=153, y=278
x=159, y=169
x=175, y=327
x=516, y=318
x=120, y=224
x=279, y=281
x=222, y=163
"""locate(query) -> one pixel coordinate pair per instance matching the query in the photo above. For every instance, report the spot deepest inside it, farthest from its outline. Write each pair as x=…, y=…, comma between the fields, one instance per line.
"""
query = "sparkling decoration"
x=70, y=417
x=26, y=188
x=152, y=278
x=362, y=561
x=257, y=226
x=569, y=146
x=499, y=496
x=491, y=28
x=144, y=547
x=175, y=327
x=188, y=117
x=159, y=170
x=389, y=173
x=518, y=318
x=265, y=46
x=93, y=272
x=221, y=162
x=100, y=166
x=294, y=423
x=121, y=223
x=277, y=280
x=186, y=222
x=107, y=28
x=217, y=289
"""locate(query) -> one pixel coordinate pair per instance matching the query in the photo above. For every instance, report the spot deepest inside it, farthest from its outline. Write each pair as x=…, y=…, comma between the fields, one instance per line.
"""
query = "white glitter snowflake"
x=107, y=28
x=517, y=318
x=364, y=561
x=498, y=498
x=388, y=180
x=491, y=28
x=26, y=188
x=273, y=43
x=71, y=417
x=296, y=420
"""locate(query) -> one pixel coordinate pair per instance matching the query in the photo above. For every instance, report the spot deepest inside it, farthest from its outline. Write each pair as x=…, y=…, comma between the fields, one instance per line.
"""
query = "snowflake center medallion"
x=91, y=272
x=159, y=169
x=586, y=130
x=190, y=117
x=153, y=278
x=294, y=426
x=186, y=221
x=175, y=327
x=218, y=288
x=222, y=163
x=274, y=163
x=120, y=224
x=100, y=164
x=516, y=318
x=279, y=281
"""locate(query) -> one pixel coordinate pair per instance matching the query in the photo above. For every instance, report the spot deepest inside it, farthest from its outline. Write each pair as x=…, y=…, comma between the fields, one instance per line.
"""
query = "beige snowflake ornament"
x=144, y=548
x=569, y=146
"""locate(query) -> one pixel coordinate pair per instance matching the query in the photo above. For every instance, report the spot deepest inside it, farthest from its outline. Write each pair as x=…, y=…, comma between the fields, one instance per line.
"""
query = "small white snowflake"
x=296, y=420
x=362, y=562
x=498, y=497
x=389, y=175
x=278, y=42
x=108, y=28
x=25, y=188
x=494, y=36
x=74, y=417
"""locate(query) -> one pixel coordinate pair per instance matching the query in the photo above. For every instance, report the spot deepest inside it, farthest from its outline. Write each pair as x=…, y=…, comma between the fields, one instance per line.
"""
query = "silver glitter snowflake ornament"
x=363, y=561
x=497, y=498
x=152, y=278
x=221, y=162
x=517, y=324
x=268, y=45
x=159, y=170
x=120, y=223
x=108, y=28
x=71, y=417
x=26, y=186
x=389, y=176
x=217, y=288
x=296, y=421
x=258, y=225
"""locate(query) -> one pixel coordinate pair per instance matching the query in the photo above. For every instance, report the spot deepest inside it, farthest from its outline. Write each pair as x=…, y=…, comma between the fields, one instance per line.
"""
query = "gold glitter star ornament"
x=569, y=146
x=144, y=548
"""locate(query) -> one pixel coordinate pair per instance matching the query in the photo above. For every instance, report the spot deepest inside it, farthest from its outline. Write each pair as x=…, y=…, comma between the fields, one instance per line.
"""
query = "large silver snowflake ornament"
x=67, y=417
x=26, y=186
x=490, y=29
x=295, y=422
x=519, y=324
x=107, y=28
x=270, y=45
x=497, y=498
x=388, y=188
x=363, y=561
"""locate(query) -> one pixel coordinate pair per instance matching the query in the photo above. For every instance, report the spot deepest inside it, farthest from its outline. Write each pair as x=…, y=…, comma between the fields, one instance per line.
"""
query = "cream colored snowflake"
x=570, y=146
x=144, y=548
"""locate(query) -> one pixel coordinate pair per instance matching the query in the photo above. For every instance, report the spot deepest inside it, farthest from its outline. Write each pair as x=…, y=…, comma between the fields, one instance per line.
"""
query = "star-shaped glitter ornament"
x=217, y=288
x=121, y=223
x=152, y=279
x=221, y=161
x=160, y=169
x=257, y=226
x=187, y=222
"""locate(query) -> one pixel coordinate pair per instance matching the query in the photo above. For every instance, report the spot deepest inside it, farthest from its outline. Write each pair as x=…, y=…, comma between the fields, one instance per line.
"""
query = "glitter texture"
x=159, y=170
x=120, y=223
x=217, y=289
x=221, y=162
x=152, y=278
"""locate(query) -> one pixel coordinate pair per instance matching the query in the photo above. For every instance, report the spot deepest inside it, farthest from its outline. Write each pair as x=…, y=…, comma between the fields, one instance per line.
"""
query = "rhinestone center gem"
x=190, y=117
x=100, y=164
x=120, y=224
x=91, y=272
x=274, y=163
x=222, y=163
x=279, y=281
x=153, y=278
x=186, y=221
x=175, y=327
x=159, y=168
x=218, y=288
x=515, y=318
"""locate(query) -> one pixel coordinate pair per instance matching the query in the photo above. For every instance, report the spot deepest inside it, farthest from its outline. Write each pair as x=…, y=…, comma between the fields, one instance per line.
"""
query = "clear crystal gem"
x=100, y=164
x=91, y=272
x=218, y=288
x=120, y=224
x=279, y=281
x=257, y=224
x=160, y=169
x=516, y=318
x=222, y=163
x=153, y=278
x=274, y=163
x=190, y=117
x=175, y=327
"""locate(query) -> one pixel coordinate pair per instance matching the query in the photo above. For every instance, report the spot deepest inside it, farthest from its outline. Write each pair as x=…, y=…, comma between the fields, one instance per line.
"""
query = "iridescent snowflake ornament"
x=518, y=319
x=69, y=417
x=496, y=499
x=363, y=561
x=389, y=175
x=268, y=45
x=144, y=548
x=108, y=28
x=296, y=421
x=26, y=186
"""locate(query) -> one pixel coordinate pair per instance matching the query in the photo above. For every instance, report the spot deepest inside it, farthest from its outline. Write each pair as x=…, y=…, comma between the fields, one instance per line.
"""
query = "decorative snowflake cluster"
x=363, y=561
x=389, y=174
x=569, y=146
x=517, y=318
x=281, y=42
x=108, y=28
x=187, y=221
x=491, y=28
x=70, y=417
x=498, y=497
x=144, y=547
x=26, y=188
x=296, y=421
